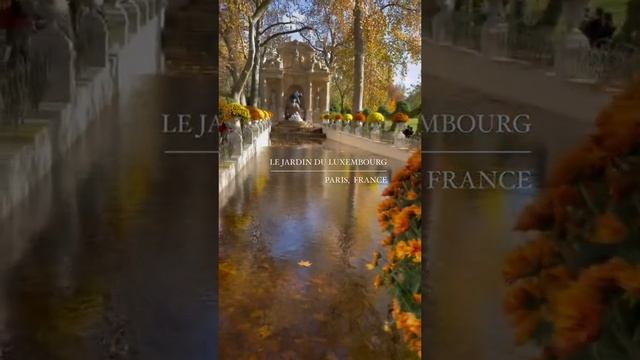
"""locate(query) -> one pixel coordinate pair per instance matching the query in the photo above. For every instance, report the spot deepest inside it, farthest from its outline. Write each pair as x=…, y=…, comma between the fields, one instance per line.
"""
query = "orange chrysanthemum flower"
x=529, y=259
x=609, y=230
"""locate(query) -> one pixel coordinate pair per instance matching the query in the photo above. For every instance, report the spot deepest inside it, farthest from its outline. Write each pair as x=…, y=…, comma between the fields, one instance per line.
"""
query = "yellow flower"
x=375, y=117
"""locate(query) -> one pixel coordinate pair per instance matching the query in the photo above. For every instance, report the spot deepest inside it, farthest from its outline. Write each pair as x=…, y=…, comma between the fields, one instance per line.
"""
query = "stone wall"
x=375, y=147
x=81, y=86
x=233, y=166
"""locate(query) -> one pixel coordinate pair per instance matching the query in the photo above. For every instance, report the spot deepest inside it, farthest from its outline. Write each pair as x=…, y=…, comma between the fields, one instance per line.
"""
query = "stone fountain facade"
x=295, y=67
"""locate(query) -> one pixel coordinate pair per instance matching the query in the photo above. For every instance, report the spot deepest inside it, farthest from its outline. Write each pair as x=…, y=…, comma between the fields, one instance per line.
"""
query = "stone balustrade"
x=566, y=53
x=237, y=147
x=47, y=103
x=390, y=143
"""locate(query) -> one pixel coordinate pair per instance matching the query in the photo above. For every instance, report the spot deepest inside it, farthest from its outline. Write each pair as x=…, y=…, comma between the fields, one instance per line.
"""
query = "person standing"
x=593, y=28
x=608, y=29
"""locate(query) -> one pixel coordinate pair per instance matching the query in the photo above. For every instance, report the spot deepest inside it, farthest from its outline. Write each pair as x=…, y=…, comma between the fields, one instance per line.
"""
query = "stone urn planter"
x=234, y=136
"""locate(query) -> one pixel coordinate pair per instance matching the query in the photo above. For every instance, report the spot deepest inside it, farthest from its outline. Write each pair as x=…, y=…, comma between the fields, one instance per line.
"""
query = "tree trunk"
x=358, y=81
x=254, y=90
x=238, y=86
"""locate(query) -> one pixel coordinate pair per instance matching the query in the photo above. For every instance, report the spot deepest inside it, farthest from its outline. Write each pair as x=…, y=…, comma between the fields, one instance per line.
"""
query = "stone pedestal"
x=573, y=47
x=495, y=32
x=133, y=15
x=234, y=137
x=54, y=45
x=94, y=30
x=117, y=24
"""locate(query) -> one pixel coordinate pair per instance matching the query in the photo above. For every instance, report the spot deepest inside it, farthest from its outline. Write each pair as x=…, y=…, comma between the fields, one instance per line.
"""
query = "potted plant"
x=375, y=121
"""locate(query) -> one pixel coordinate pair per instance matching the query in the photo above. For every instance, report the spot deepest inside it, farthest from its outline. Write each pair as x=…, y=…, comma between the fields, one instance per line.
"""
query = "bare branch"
x=273, y=36
x=281, y=23
x=398, y=5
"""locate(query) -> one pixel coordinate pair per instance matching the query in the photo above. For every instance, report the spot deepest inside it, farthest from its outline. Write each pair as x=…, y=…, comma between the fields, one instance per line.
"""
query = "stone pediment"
x=294, y=57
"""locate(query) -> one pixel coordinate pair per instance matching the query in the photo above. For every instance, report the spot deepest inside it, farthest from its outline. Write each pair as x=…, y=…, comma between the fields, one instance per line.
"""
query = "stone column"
x=327, y=97
x=309, y=101
x=263, y=93
x=279, y=103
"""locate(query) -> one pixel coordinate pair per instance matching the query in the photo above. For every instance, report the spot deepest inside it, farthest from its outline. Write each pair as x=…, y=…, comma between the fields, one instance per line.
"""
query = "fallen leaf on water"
x=304, y=263
x=265, y=331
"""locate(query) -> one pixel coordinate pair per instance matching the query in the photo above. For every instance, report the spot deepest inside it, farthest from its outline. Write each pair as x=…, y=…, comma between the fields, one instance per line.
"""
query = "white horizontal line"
x=190, y=151
x=476, y=151
x=322, y=171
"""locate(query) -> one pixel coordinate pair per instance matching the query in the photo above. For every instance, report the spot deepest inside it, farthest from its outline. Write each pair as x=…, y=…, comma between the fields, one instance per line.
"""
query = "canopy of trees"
x=363, y=43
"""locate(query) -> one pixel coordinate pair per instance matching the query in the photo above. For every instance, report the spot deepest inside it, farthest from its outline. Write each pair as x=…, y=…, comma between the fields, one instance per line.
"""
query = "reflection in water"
x=273, y=308
x=113, y=256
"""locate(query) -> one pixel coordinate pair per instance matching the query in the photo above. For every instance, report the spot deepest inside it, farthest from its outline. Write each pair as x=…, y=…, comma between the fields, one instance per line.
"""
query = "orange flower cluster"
x=258, y=114
x=583, y=266
x=410, y=325
x=400, y=216
x=400, y=118
x=359, y=117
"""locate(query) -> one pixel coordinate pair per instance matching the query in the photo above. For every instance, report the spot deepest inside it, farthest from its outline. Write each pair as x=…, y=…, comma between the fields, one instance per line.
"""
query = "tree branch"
x=273, y=36
x=281, y=23
x=260, y=10
x=398, y=5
